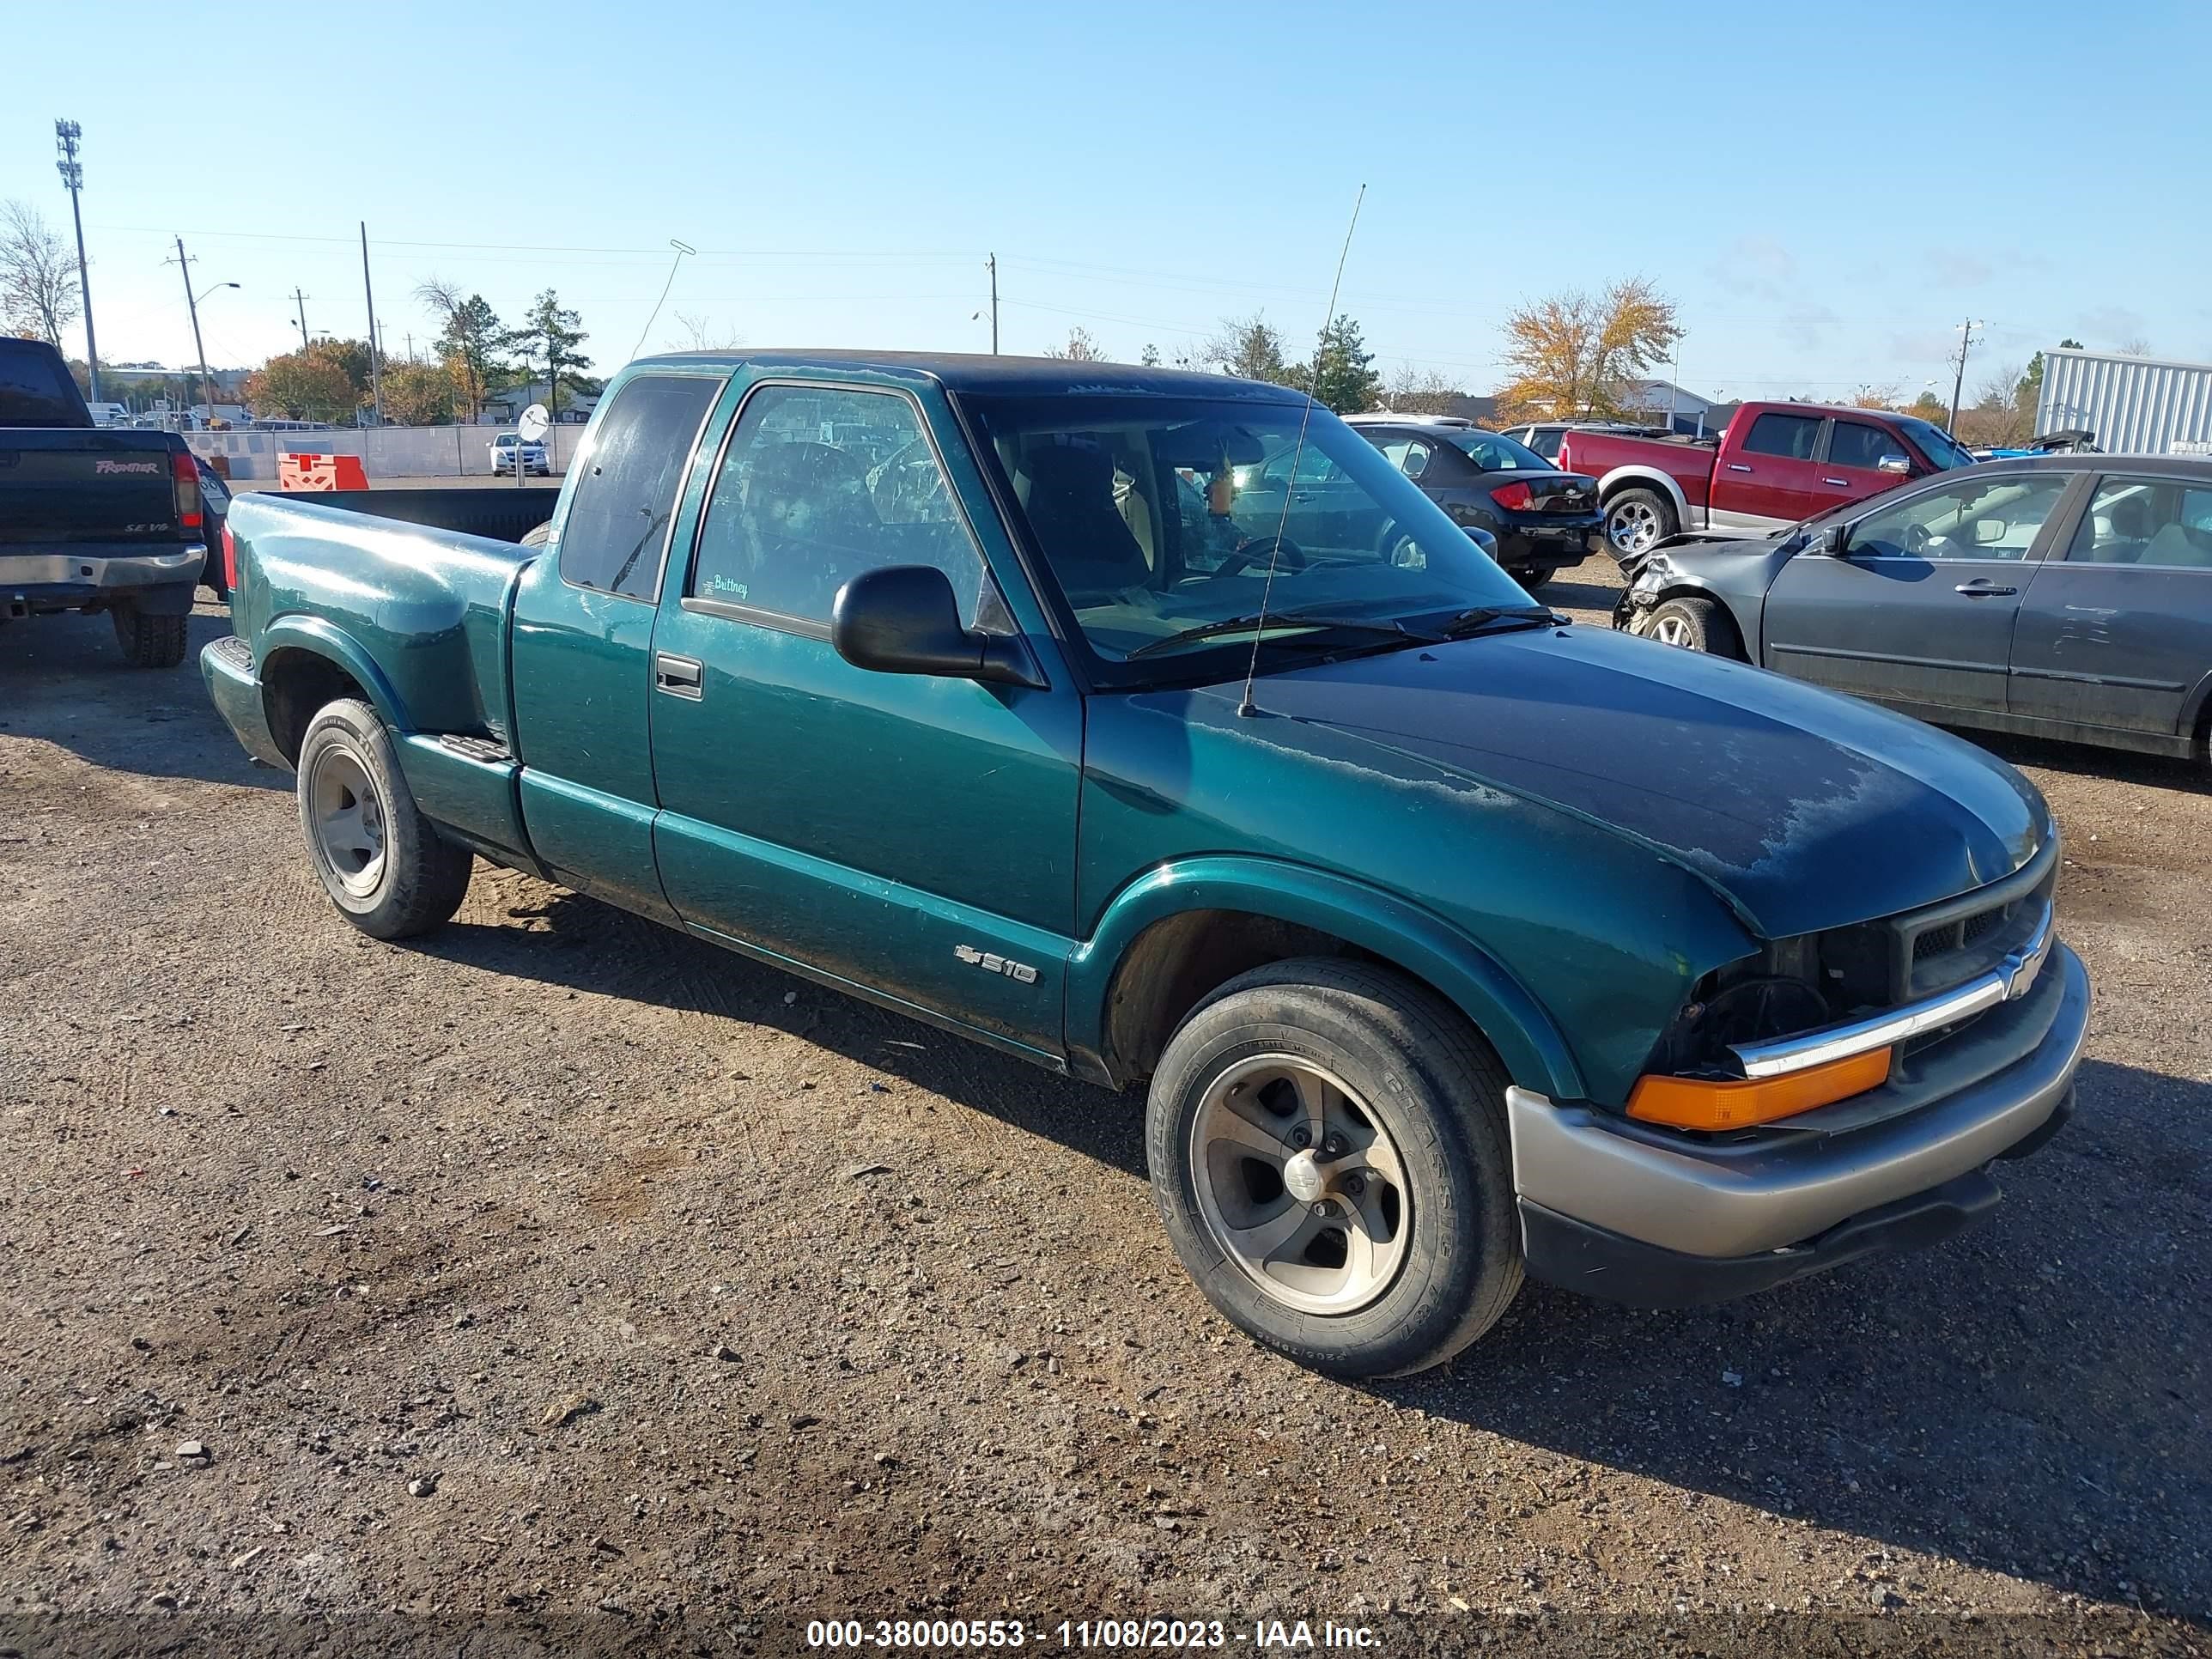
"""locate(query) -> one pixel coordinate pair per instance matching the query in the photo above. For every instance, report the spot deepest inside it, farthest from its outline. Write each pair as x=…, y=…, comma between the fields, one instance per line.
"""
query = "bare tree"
x=701, y=334
x=1081, y=348
x=1875, y=394
x=39, y=291
x=2135, y=347
x=1411, y=390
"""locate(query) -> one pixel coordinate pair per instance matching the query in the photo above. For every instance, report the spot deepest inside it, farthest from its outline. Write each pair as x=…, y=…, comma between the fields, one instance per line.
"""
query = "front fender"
x=320, y=638
x=1398, y=932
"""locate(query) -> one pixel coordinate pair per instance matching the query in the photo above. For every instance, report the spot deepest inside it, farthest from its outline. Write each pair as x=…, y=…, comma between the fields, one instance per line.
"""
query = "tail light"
x=1514, y=497
x=229, y=558
x=187, y=477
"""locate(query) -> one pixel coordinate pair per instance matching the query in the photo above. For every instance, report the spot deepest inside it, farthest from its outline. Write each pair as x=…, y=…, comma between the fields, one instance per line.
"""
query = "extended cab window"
x=819, y=485
x=1855, y=444
x=1790, y=436
x=617, y=525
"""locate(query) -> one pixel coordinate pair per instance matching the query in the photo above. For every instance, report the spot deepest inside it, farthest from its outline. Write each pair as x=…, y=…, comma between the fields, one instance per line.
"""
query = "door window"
x=1856, y=444
x=1973, y=519
x=819, y=485
x=2146, y=521
x=1790, y=436
x=1409, y=455
x=617, y=526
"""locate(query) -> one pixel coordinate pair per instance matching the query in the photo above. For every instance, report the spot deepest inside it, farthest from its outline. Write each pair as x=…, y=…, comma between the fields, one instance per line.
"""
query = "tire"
x=148, y=641
x=1637, y=520
x=384, y=866
x=536, y=534
x=1413, y=1069
x=1694, y=625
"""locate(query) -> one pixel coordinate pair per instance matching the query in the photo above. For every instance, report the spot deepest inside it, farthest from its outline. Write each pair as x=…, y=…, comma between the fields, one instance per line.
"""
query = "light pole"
x=193, y=304
x=66, y=134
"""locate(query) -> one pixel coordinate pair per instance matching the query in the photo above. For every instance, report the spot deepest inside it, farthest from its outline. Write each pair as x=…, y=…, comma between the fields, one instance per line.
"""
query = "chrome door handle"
x=1737, y=466
x=679, y=677
x=1839, y=484
x=1980, y=588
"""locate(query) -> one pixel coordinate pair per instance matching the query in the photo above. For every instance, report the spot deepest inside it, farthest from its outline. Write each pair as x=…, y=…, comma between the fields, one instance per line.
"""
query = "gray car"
x=2065, y=597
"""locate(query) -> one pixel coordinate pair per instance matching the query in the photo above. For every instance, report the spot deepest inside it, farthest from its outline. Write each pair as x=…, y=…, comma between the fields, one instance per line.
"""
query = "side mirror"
x=903, y=619
x=1895, y=463
x=1836, y=541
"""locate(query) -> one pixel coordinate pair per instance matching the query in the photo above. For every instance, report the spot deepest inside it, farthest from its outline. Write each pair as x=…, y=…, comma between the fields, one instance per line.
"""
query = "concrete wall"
x=390, y=451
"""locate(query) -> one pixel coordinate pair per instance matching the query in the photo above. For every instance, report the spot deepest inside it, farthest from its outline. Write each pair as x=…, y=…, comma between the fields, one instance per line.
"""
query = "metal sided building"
x=2135, y=405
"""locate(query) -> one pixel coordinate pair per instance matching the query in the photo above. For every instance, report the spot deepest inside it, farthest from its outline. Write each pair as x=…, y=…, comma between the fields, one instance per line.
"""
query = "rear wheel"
x=1637, y=520
x=384, y=866
x=148, y=641
x=1328, y=1151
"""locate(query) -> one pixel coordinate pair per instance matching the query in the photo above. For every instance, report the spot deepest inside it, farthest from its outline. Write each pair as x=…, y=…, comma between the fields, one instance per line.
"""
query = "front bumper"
x=1626, y=1211
x=100, y=574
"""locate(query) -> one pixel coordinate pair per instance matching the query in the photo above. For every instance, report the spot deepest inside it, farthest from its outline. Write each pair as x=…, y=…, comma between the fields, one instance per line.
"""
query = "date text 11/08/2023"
x=1276, y=1635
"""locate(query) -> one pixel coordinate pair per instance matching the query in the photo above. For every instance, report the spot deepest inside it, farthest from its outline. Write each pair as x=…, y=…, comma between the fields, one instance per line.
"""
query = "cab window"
x=819, y=484
x=1853, y=443
x=1789, y=436
x=617, y=532
x=2146, y=521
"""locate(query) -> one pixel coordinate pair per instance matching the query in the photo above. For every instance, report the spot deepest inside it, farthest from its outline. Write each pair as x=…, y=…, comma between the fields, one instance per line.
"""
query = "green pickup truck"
x=1450, y=942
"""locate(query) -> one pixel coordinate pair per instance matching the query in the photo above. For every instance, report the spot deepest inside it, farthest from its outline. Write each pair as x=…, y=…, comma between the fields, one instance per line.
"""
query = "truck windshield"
x=1157, y=517
x=1935, y=444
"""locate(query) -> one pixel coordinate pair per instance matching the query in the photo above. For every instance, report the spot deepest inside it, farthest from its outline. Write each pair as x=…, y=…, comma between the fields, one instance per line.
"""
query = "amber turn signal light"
x=1694, y=1103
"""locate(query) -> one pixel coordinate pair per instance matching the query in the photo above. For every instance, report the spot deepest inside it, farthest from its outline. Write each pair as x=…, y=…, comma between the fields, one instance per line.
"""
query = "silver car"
x=506, y=447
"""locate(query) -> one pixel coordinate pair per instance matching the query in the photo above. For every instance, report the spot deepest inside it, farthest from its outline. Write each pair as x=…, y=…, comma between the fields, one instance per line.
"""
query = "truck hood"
x=1806, y=810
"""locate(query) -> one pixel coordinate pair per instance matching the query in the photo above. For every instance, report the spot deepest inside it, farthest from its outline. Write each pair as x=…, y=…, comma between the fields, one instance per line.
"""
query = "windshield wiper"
x=1282, y=619
x=1482, y=616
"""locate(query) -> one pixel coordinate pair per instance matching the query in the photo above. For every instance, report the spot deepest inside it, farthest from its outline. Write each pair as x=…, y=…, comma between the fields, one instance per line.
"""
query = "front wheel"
x=384, y=866
x=1694, y=625
x=1637, y=520
x=1329, y=1153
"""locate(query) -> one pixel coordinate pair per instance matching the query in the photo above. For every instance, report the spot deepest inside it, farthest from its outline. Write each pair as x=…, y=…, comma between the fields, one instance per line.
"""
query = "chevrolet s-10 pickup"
x=1448, y=941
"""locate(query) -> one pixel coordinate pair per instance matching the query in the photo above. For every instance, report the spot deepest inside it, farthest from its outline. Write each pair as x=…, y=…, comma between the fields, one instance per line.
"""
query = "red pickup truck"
x=1773, y=465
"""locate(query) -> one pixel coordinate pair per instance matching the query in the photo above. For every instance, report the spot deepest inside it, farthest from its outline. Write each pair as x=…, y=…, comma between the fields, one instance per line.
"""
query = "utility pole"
x=66, y=134
x=300, y=300
x=375, y=373
x=185, y=270
x=993, y=263
x=1959, y=381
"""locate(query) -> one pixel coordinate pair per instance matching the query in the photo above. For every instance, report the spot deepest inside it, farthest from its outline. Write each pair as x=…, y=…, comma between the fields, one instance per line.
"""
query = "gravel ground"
x=565, y=1278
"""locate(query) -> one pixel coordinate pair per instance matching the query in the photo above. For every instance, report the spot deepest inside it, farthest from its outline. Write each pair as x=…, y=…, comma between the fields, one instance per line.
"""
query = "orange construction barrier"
x=295, y=471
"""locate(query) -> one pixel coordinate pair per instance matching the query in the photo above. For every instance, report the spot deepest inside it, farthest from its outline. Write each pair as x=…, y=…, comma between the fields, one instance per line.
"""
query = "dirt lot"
x=565, y=1276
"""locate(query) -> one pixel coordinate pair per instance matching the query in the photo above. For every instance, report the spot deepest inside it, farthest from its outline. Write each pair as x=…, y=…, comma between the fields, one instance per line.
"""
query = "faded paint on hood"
x=1807, y=809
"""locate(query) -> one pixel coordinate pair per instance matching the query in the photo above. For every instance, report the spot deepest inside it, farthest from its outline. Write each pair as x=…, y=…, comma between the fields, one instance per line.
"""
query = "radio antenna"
x=1291, y=480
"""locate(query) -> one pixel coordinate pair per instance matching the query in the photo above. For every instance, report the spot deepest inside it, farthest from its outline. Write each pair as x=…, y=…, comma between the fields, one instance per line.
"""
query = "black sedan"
x=2066, y=597
x=1544, y=519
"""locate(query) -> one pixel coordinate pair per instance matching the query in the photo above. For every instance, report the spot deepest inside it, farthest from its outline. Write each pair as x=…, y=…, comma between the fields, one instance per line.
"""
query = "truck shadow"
x=2027, y=1397
x=63, y=680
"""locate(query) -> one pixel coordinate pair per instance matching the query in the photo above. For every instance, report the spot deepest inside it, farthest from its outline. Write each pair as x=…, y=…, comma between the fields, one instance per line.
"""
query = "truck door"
x=1851, y=465
x=904, y=834
x=1919, y=610
x=1770, y=478
x=2117, y=633
x=582, y=646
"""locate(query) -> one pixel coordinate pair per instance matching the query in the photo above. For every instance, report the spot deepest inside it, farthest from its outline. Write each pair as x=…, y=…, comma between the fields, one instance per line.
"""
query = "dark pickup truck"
x=94, y=517
x=1461, y=943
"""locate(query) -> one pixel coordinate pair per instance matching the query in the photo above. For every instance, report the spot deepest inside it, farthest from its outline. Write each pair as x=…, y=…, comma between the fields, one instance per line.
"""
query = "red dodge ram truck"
x=1773, y=465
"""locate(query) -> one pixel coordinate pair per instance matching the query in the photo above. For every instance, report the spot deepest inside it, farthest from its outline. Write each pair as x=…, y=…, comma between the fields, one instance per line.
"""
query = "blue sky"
x=1826, y=192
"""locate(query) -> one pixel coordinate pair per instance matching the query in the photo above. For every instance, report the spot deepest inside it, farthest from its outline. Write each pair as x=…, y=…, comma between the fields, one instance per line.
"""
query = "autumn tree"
x=325, y=381
x=39, y=293
x=1343, y=376
x=471, y=343
x=549, y=336
x=1248, y=348
x=417, y=394
x=1578, y=354
x=1079, y=347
